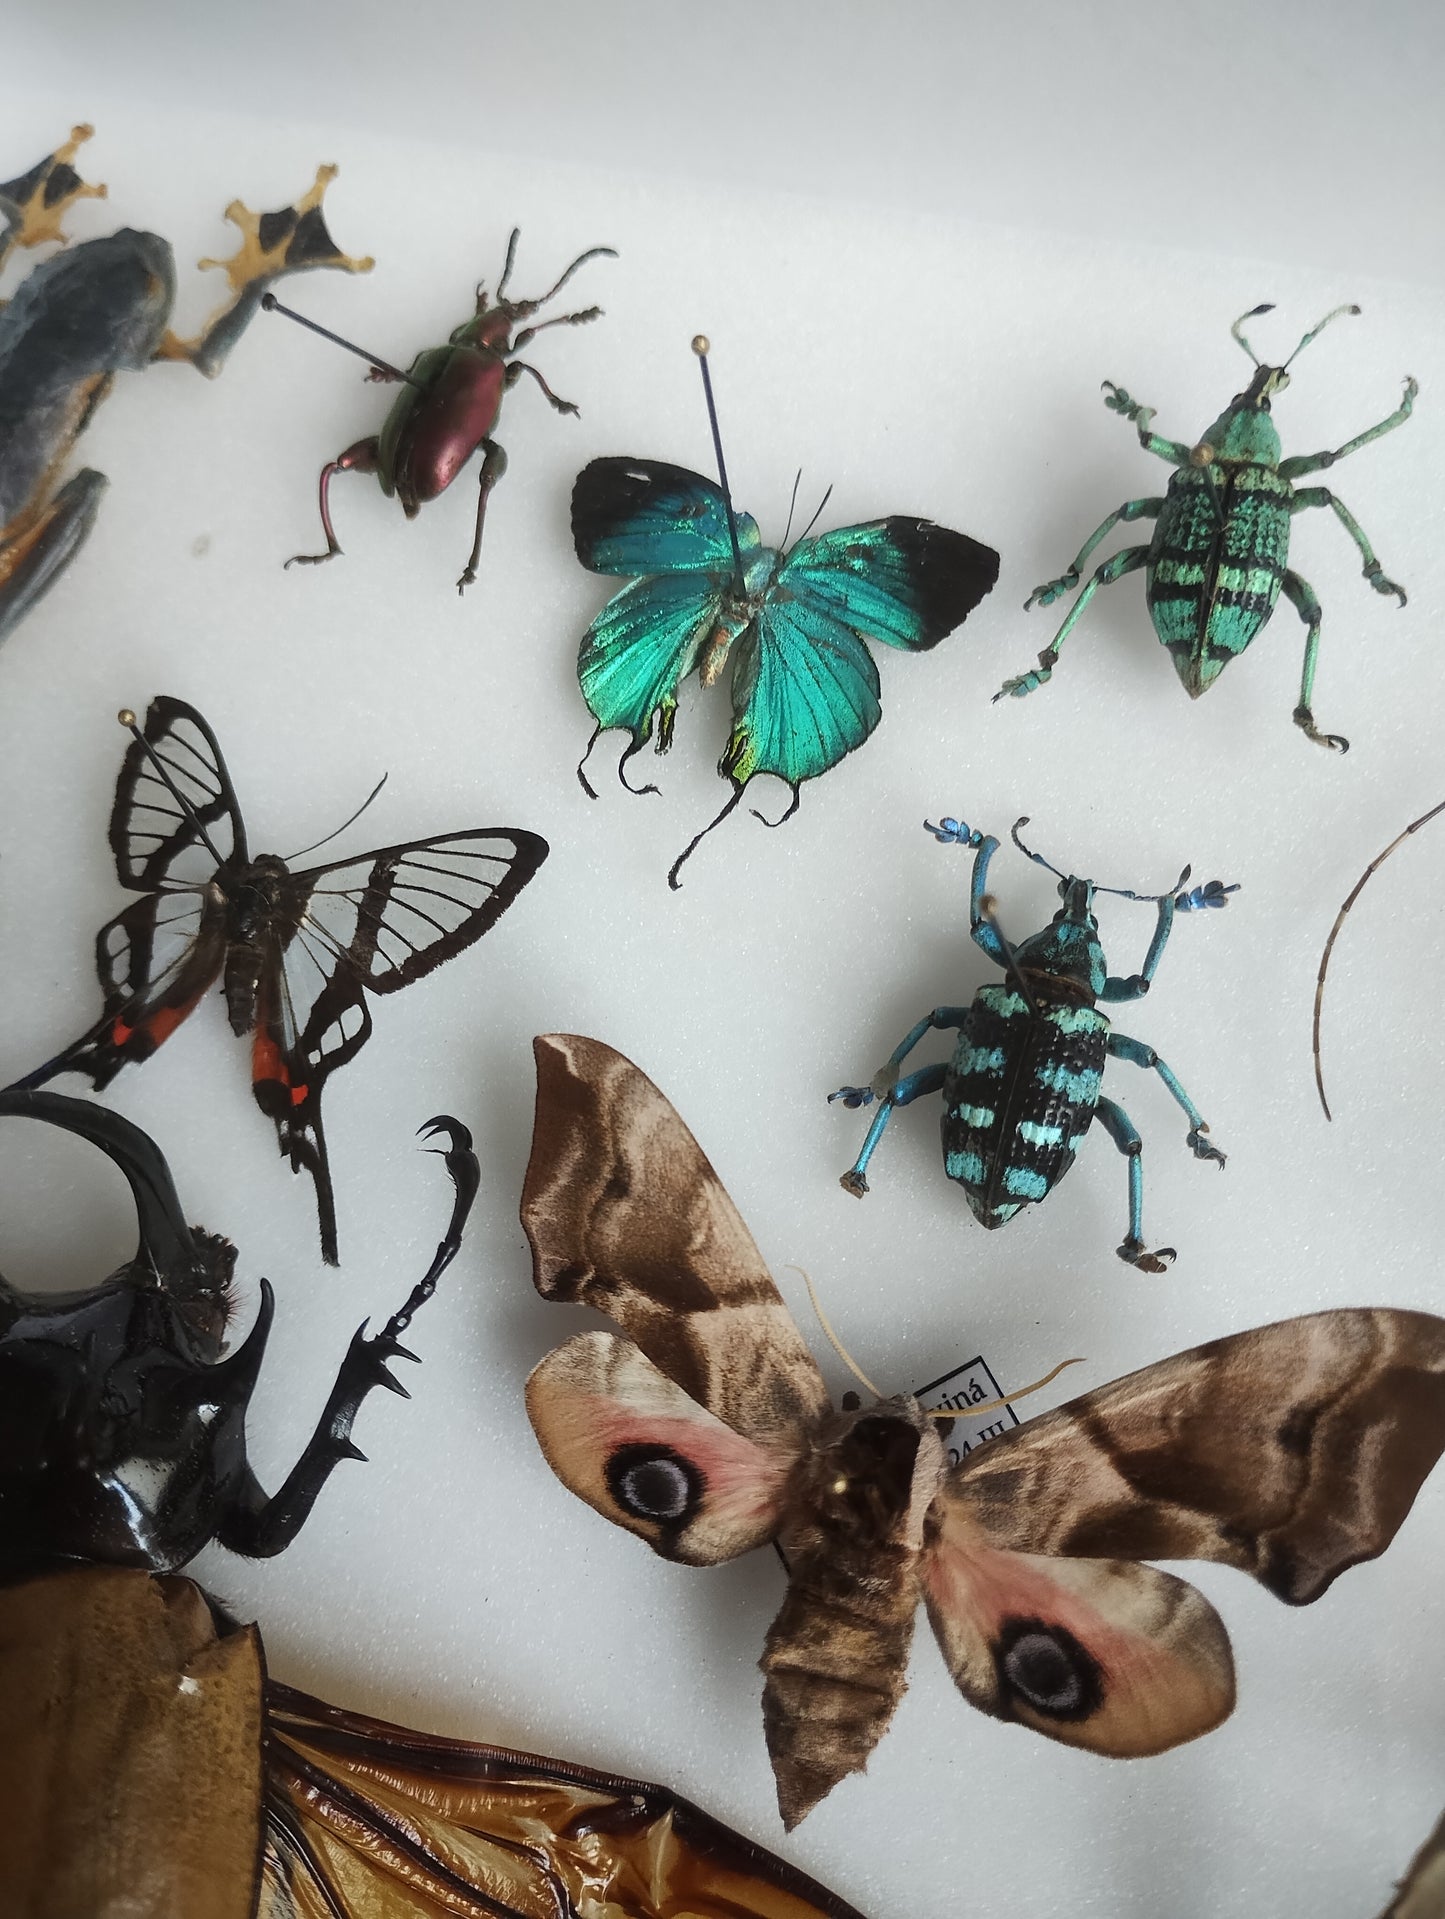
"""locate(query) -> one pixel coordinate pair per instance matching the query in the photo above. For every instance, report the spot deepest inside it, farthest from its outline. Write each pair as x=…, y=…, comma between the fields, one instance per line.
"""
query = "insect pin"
x=450, y=401
x=1026, y=1078
x=88, y=313
x=794, y=622
x=297, y=952
x=703, y=1425
x=1219, y=558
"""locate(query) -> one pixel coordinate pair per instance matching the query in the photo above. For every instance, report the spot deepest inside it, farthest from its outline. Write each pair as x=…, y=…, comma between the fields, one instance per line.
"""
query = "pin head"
x=701, y=345
x=126, y=716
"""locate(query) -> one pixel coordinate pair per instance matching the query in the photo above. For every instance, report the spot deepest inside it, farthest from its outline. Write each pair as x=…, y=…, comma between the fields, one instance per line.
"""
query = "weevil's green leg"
x=1304, y=463
x=1301, y=596
x=1118, y=401
x=1321, y=496
x=1138, y=984
x=928, y=1079
x=272, y=245
x=1120, y=1128
x=1128, y=560
x=1052, y=590
x=1138, y=1054
x=32, y=206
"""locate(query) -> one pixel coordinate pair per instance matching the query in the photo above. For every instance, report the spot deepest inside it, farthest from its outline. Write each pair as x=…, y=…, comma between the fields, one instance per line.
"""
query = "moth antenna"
x=797, y=482
x=270, y=304
x=833, y=1340
x=1037, y=858
x=128, y=720
x=337, y=831
x=507, y=264
x=1316, y=331
x=1253, y=314
x=1354, y=894
x=702, y=346
x=816, y=517
x=696, y=841
x=997, y=1405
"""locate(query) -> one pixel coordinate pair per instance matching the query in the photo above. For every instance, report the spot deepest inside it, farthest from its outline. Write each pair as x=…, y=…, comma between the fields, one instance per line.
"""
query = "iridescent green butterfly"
x=796, y=623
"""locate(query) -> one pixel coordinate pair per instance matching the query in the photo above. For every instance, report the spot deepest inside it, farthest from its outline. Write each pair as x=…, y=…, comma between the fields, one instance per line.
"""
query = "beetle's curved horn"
x=166, y=1244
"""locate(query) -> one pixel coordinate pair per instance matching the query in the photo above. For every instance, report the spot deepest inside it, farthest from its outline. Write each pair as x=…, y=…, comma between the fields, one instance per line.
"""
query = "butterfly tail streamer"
x=68, y=1060
x=697, y=839
x=793, y=804
x=582, y=780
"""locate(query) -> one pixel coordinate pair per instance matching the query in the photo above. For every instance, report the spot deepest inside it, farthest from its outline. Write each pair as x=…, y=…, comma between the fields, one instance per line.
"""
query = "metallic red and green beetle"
x=452, y=396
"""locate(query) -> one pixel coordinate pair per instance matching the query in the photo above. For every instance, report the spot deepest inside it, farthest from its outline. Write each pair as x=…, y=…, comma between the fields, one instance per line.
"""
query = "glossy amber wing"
x=367, y=1820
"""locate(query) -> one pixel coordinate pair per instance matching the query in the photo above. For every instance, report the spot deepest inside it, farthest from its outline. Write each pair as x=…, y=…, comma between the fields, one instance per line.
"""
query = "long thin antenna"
x=128, y=720
x=702, y=346
x=270, y=304
x=326, y=841
x=833, y=1340
x=1120, y=892
x=997, y=1405
x=1253, y=314
x=1355, y=892
x=1315, y=331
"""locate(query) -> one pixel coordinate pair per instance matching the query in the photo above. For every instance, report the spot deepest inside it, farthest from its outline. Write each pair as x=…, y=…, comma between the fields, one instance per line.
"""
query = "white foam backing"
x=920, y=313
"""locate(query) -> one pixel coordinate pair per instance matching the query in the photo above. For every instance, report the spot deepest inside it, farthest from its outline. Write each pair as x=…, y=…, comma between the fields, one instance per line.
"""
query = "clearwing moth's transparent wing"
x=155, y=840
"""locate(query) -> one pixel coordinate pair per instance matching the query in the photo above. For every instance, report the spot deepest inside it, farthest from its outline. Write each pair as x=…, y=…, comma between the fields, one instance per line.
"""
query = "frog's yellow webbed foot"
x=293, y=240
x=32, y=206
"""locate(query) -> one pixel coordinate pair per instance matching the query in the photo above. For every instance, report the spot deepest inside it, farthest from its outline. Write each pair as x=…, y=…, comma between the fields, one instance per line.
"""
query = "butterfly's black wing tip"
x=611, y=491
x=950, y=573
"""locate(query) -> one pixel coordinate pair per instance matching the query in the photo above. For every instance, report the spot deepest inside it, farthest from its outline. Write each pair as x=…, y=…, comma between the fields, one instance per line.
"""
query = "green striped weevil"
x=1218, y=560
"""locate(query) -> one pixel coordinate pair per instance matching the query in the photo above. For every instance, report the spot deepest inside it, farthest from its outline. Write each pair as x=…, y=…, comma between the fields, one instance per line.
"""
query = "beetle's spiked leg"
x=32, y=206
x=1301, y=596
x=259, y=1527
x=361, y=458
x=294, y=240
x=1304, y=463
x=1138, y=1054
x=1128, y=560
x=1118, y=401
x=517, y=368
x=1321, y=496
x=928, y=1079
x=1139, y=983
x=1052, y=590
x=33, y=555
x=1120, y=1128
x=561, y=319
x=494, y=465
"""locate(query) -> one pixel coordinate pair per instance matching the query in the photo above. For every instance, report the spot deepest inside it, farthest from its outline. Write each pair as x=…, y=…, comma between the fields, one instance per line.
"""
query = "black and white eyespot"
x=654, y=1482
x=1045, y=1668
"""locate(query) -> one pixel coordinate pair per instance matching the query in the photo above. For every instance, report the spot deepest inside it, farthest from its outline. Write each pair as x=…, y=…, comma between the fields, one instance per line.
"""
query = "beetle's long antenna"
x=1315, y=331
x=833, y=1340
x=270, y=304
x=592, y=253
x=1152, y=899
x=1253, y=314
x=1037, y=858
x=343, y=826
x=128, y=720
x=507, y=264
x=997, y=1405
x=702, y=346
x=1355, y=892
